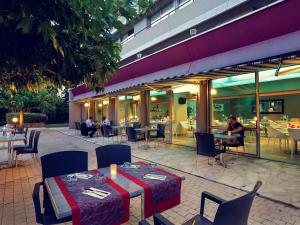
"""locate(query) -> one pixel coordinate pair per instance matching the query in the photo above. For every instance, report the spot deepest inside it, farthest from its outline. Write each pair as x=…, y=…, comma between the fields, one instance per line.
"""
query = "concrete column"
x=112, y=110
x=144, y=108
x=74, y=111
x=202, y=108
x=126, y=110
x=171, y=108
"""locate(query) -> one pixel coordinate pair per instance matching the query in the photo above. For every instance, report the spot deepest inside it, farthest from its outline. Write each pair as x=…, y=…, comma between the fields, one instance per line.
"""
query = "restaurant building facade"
x=192, y=63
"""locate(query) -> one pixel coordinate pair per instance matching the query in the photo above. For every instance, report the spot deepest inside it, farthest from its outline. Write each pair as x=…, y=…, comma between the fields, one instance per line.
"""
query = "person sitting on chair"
x=105, y=121
x=235, y=127
x=90, y=126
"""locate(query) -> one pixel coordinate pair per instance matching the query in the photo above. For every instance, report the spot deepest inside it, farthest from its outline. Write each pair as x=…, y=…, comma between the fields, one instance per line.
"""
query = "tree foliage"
x=47, y=100
x=61, y=41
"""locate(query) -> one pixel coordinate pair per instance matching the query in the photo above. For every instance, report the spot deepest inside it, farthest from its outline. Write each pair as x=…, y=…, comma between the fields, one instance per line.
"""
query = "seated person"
x=90, y=126
x=235, y=127
x=105, y=121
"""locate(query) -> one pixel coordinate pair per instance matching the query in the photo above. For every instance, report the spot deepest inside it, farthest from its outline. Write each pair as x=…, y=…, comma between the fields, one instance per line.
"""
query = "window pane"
x=279, y=106
x=235, y=96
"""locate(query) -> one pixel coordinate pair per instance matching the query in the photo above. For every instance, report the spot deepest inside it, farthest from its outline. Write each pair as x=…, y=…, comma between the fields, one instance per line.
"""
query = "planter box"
x=32, y=125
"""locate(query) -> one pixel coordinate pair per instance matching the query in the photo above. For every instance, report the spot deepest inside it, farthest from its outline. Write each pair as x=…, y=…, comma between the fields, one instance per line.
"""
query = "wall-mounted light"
x=193, y=31
x=105, y=102
x=213, y=91
x=136, y=98
x=100, y=105
x=86, y=105
x=153, y=99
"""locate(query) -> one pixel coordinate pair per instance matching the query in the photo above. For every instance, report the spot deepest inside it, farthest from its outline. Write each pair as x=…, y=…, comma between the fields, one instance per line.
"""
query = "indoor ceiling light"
x=153, y=99
x=136, y=98
x=213, y=91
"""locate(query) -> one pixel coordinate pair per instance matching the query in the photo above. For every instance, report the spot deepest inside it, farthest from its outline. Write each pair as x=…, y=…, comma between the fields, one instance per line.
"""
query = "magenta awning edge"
x=152, y=65
x=265, y=24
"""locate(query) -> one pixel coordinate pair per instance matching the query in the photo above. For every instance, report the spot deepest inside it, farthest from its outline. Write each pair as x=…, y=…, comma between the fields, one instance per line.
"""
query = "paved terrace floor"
x=16, y=184
x=281, y=180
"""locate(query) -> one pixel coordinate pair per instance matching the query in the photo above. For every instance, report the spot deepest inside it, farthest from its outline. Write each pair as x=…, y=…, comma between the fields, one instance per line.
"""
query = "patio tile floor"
x=16, y=184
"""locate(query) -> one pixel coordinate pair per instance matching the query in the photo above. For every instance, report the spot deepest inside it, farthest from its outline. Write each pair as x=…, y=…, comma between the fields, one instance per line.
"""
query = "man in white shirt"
x=90, y=126
x=89, y=122
x=105, y=121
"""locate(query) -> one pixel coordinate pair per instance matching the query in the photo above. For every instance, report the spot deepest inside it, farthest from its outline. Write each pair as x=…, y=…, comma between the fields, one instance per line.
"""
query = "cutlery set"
x=97, y=193
x=155, y=177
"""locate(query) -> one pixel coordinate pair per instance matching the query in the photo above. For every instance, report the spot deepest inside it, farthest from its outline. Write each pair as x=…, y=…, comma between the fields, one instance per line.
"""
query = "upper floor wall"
x=176, y=17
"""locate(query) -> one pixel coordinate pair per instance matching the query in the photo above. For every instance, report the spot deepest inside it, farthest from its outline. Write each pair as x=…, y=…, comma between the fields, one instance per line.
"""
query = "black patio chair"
x=108, y=132
x=56, y=164
x=77, y=127
x=240, y=142
x=206, y=146
x=160, y=132
x=233, y=212
x=137, y=125
x=112, y=154
x=33, y=150
x=26, y=146
x=85, y=131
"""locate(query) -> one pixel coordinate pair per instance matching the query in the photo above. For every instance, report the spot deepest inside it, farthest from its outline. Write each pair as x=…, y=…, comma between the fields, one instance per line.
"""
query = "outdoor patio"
x=281, y=181
x=16, y=184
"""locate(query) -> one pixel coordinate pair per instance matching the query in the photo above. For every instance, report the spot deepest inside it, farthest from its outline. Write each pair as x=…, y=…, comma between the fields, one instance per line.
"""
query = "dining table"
x=62, y=207
x=146, y=131
x=222, y=137
x=10, y=139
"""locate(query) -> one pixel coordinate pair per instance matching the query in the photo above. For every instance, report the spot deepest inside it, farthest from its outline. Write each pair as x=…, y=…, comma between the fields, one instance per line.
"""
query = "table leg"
x=142, y=206
x=9, y=154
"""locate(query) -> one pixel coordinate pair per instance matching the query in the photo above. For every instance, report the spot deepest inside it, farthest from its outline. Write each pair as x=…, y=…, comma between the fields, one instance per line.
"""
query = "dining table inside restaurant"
x=10, y=139
x=158, y=188
x=146, y=131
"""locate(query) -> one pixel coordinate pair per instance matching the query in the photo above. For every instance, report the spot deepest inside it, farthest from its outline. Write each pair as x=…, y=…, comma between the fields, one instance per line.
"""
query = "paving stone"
x=16, y=185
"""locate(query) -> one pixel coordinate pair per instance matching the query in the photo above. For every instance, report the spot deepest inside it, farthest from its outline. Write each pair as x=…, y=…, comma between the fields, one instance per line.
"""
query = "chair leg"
x=16, y=160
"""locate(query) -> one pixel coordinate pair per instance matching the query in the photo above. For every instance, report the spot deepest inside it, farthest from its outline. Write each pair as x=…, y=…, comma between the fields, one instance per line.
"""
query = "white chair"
x=187, y=127
x=277, y=134
x=295, y=136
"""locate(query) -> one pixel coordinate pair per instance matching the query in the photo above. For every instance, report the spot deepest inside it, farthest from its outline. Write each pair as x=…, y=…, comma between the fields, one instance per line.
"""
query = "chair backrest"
x=26, y=132
x=106, y=130
x=65, y=162
x=31, y=136
x=83, y=129
x=112, y=154
x=161, y=130
x=272, y=132
x=205, y=144
x=77, y=125
x=36, y=141
x=294, y=133
x=131, y=133
x=236, y=211
x=136, y=125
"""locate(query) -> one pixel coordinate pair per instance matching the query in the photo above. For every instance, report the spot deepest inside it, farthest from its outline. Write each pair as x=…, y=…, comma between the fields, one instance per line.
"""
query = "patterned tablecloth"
x=88, y=210
x=160, y=195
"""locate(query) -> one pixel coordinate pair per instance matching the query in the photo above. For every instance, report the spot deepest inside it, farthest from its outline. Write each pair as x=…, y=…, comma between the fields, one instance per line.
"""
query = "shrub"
x=28, y=117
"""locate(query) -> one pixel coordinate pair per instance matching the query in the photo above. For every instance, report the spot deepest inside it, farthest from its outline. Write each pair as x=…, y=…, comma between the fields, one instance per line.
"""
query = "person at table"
x=235, y=127
x=90, y=126
x=106, y=122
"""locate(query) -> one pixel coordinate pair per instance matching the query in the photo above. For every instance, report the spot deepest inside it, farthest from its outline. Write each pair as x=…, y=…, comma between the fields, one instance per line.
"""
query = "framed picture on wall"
x=271, y=106
x=218, y=107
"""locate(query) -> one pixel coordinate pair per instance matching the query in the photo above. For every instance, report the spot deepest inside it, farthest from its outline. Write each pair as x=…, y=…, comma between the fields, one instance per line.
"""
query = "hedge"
x=28, y=117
